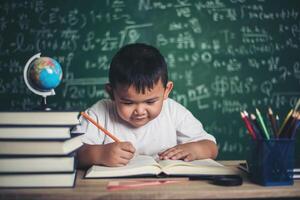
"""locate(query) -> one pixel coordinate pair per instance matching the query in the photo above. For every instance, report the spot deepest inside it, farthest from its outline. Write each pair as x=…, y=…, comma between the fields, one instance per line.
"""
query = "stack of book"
x=37, y=149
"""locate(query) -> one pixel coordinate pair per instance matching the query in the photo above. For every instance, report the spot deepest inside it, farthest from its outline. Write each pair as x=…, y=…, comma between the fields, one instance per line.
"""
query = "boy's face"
x=138, y=109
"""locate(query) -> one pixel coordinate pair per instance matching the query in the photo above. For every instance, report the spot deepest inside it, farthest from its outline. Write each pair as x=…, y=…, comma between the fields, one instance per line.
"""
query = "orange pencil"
x=100, y=127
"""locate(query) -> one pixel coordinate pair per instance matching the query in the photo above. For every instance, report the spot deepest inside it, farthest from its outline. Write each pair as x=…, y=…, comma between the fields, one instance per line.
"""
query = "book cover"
x=31, y=118
x=37, y=180
x=27, y=132
x=37, y=164
x=40, y=147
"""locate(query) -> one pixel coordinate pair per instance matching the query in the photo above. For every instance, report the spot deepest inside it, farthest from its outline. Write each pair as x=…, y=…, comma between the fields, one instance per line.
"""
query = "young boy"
x=141, y=115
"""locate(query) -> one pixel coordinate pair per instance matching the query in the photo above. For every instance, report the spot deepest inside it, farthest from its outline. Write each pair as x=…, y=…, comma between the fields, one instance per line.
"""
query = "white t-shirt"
x=174, y=125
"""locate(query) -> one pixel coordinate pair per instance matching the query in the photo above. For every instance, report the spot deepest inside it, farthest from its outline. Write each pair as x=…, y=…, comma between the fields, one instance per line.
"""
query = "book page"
x=170, y=163
x=139, y=165
x=142, y=160
x=197, y=163
x=196, y=167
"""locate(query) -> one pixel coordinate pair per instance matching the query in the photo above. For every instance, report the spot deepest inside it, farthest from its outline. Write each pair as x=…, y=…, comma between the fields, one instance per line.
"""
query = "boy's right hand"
x=117, y=154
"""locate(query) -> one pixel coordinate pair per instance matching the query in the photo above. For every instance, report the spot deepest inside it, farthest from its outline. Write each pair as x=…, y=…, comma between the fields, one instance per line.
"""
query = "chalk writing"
x=223, y=56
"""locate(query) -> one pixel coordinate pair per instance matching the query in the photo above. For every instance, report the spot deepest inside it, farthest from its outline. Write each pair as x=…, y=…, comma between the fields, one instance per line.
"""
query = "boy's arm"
x=112, y=154
x=191, y=151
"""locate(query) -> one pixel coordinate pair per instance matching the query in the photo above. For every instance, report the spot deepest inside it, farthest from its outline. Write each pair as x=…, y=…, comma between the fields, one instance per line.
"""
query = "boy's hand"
x=191, y=151
x=117, y=154
x=184, y=152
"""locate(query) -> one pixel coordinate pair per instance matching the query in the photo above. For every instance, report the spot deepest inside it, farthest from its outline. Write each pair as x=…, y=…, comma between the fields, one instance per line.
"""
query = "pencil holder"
x=271, y=162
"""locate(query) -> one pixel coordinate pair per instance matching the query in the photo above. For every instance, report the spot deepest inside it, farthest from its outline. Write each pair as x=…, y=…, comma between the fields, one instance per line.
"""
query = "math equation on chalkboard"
x=223, y=56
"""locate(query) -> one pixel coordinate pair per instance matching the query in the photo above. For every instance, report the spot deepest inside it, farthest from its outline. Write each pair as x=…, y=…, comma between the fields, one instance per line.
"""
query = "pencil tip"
x=242, y=114
x=270, y=110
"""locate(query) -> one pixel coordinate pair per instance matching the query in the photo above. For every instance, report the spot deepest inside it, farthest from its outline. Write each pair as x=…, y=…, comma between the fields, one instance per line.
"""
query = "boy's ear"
x=109, y=90
x=168, y=89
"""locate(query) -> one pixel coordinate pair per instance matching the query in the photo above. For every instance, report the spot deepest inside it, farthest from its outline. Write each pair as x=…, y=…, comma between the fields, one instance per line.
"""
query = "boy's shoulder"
x=173, y=105
x=102, y=105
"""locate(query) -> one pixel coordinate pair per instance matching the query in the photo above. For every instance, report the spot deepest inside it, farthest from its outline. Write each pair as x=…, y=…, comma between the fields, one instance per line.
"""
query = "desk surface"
x=96, y=189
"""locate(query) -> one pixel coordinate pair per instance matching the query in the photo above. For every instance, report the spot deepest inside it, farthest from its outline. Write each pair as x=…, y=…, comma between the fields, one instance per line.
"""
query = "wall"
x=224, y=56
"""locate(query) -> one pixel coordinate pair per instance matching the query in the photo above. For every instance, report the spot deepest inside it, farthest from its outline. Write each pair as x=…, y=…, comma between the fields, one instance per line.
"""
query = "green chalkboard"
x=223, y=56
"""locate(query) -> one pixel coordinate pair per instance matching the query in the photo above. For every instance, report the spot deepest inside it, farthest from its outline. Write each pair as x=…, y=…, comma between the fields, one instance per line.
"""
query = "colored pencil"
x=248, y=126
x=277, y=124
x=297, y=105
x=256, y=126
x=253, y=125
x=272, y=121
x=288, y=116
x=288, y=131
x=262, y=123
x=106, y=132
x=297, y=125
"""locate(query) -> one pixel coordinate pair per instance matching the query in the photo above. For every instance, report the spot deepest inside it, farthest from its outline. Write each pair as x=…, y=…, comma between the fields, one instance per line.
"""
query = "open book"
x=142, y=166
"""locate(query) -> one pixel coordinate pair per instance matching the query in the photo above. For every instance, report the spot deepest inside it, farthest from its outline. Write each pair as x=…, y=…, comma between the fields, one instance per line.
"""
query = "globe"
x=45, y=73
x=42, y=75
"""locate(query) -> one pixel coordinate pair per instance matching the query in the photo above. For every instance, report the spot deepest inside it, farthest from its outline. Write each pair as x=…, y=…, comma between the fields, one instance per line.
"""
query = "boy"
x=141, y=115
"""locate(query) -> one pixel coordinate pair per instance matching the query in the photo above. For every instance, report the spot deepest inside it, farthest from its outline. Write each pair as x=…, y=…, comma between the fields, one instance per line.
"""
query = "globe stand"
x=44, y=106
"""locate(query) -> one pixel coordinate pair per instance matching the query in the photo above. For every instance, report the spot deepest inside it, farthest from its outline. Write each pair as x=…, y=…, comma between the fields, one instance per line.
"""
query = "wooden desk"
x=96, y=189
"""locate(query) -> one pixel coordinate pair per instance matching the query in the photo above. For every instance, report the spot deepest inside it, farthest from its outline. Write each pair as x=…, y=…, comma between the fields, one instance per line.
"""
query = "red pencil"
x=106, y=132
x=248, y=126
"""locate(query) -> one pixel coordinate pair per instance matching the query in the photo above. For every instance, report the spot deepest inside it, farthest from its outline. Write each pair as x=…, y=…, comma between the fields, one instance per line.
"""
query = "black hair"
x=140, y=65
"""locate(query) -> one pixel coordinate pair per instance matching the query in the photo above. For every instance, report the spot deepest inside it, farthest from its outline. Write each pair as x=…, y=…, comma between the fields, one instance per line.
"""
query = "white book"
x=37, y=164
x=296, y=176
x=31, y=118
x=40, y=147
x=37, y=180
x=25, y=132
x=147, y=166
